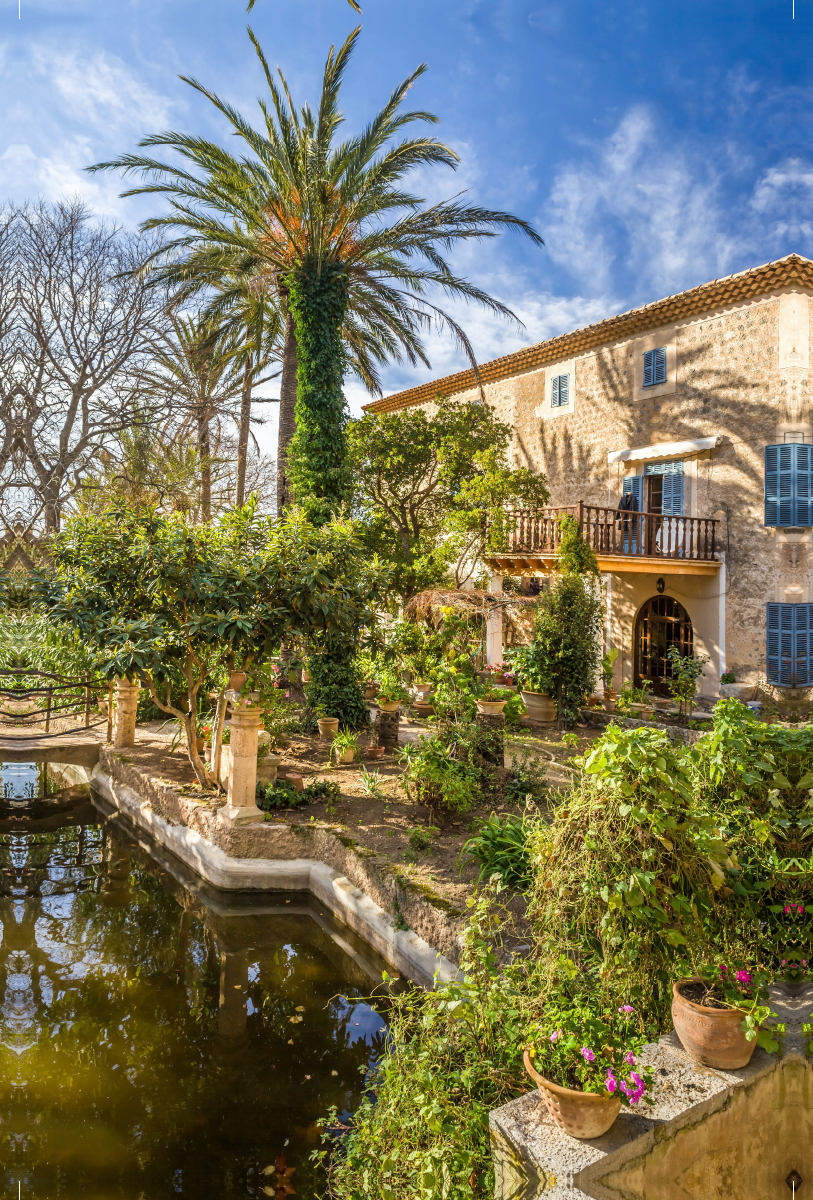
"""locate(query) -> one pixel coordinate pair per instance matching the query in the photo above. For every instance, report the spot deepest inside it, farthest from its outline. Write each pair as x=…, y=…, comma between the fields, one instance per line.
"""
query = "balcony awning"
x=664, y=450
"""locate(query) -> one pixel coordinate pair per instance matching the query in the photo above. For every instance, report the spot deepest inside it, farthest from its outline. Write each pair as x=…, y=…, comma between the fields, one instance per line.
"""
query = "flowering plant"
x=579, y=1047
x=392, y=692
x=735, y=985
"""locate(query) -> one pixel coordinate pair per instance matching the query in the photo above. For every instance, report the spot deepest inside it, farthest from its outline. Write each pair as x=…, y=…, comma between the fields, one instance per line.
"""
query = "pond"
x=158, y=1039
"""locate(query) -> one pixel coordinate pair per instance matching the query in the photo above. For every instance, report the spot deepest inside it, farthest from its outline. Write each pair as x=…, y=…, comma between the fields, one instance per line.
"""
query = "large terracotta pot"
x=236, y=680
x=711, y=1036
x=580, y=1114
x=370, y=691
x=540, y=707
x=423, y=690
x=491, y=708
x=423, y=708
x=328, y=728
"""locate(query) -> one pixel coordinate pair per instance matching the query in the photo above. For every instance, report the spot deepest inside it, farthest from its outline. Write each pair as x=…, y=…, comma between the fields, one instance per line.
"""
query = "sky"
x=653, y=145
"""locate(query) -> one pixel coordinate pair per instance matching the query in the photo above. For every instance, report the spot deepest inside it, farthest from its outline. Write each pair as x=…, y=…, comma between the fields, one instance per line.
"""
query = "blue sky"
x=654, y=145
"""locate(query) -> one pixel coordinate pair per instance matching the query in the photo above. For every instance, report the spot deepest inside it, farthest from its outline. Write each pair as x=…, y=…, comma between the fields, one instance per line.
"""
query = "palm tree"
x=328, y=227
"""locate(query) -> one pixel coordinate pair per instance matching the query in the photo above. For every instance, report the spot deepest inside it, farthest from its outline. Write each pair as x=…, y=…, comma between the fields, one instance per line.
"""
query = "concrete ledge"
x=409, y=954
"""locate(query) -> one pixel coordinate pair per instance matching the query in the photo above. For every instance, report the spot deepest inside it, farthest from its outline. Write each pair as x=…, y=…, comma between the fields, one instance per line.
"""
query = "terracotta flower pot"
x=580, y=1114
x=423, y=708
x=199, y=744
x=389, y=705
x=423, y=690
x=376, y=751
x=328, y=728
x=306, y=676
x=609, y=706
x=236, y=680
x=540, y=707
x=711, y=1036
x=370, y=691
x=609, y=694
x=491, y=708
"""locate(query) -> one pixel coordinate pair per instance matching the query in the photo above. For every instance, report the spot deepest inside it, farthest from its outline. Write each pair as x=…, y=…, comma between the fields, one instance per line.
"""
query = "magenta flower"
x=588, y=1054
x=784, y=962
x=723, y=970
x=611, y=1083
x=804, y=962
x=629, y=1058
x=626, y=1008
x=556, y=1034
x=744, y=978
x=787, y=909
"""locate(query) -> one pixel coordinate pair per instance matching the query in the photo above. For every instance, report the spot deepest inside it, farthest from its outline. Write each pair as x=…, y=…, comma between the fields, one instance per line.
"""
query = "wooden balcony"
x=623, y=541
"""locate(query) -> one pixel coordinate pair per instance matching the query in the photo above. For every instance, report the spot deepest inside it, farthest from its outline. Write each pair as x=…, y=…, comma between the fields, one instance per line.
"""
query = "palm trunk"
x=245, y=426
x=205, y=461
x=287, y=412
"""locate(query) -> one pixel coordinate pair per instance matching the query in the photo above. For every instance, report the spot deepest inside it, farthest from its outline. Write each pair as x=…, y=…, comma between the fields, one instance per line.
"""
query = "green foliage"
x=317, y=456
x=499, y=846
x=574, y=555
x=372, y=784
x=334, y=689
x=527, y=779
x=431, y=490
x=434, y=775
x=279, y=794
x=455, y=1054
x=421, y=838
x=607, y=664
x=584, y=1046
x=564, y=658
x=686, y=670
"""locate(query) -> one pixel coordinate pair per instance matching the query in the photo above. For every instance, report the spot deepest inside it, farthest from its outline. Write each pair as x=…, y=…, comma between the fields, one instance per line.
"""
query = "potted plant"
x=491, y=702
x=370, y=689
x=344, y=746
x=236, y=680
x=607, y=664
x=424, y=690
x=537, y=683
x=390, y=697
x=584, y=1063
x=328, y=726
x=720, y=1015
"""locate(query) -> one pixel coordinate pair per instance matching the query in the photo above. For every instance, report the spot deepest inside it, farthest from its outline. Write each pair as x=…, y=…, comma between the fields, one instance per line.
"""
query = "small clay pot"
x=389, y=705
x=423, y=690
x=579, y=1114
x=711, y=1036
x=296, y=782
x=491, y=708
x=376, y=751
x=609, y=706
x=370, y=691
x=328, y=728
x=236, y=680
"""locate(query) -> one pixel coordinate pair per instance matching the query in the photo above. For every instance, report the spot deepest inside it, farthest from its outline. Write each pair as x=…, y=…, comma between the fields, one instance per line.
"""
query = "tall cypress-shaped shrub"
x=317, y=456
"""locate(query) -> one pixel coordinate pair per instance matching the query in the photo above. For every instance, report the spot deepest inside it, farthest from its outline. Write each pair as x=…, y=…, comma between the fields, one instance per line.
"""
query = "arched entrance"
x=662, y=622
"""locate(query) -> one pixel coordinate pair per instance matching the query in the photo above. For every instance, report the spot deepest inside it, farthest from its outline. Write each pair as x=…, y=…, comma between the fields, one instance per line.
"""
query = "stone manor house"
x=680, y=435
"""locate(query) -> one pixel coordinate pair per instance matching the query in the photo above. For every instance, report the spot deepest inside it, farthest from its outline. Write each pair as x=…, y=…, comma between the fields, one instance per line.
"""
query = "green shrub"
x=500, y=847
x=421, y=838
x=435, y=777
x=279, y=794
x=527, y=778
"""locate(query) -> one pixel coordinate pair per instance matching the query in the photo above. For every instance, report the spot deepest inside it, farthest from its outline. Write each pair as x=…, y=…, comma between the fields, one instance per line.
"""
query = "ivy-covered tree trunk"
x=318, y=465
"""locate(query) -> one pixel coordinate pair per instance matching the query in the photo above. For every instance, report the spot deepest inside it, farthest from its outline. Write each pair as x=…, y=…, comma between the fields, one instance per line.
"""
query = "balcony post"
x=494, y=629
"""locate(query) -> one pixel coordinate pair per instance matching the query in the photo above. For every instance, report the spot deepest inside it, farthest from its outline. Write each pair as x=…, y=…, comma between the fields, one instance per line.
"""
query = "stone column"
x=241, y=806
x=385, y=730
x=126, y=709
x=494, y=631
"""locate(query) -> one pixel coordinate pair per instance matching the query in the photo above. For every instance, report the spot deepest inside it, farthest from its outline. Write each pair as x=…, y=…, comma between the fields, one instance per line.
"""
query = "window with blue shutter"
x=633, y=486
x=560, y=391
x=672, y=496
x=655, y=367
x=789, y=485
x=789, y=644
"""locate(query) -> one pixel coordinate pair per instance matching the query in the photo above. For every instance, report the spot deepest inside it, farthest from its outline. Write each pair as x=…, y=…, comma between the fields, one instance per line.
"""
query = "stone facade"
x=736, y=372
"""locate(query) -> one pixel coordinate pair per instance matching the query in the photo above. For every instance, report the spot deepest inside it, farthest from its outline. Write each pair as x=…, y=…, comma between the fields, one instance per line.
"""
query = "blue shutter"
x=780, y=478
x=560, y=391
x=772, y=643
x=803, y=619
x=781, y=643
x=633, y=485
x=804, y=484
x=654, y=367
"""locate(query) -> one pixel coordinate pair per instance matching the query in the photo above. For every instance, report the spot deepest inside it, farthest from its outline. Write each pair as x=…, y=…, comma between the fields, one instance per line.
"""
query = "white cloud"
x=100, y=90
x=639, y=204
x=783, y=196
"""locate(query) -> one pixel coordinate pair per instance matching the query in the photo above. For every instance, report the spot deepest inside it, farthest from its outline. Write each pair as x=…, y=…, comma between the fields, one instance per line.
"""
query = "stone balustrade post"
x=126, y=711
x=241, y=806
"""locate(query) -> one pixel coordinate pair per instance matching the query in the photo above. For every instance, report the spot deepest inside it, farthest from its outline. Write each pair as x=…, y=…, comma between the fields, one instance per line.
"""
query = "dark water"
x=155, y=1040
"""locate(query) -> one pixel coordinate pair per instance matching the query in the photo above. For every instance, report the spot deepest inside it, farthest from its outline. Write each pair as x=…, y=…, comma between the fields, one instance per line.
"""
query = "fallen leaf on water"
x=307, y=1076
x=269, y=1191
x=268, y=1170
x=290, y=1041
x=334, y=1072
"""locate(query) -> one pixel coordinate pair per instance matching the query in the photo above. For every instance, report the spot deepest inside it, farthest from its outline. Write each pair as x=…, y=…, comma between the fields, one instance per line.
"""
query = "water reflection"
x=157, y=1041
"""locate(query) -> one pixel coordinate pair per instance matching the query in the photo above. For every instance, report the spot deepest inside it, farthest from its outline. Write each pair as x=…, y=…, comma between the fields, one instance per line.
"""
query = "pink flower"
x=804, y=962
x=611, y=1083
x=555, y=1035
x=723, y=970
x=744, y=978
x=287, y=694
x=626, y=1008
x=588, y=1054
x=784, y=962
x=787, y=909
x=629, y=1058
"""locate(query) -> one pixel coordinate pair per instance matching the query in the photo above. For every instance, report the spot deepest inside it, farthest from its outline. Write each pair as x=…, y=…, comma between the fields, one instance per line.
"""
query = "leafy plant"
x=421, y=838
x=499, y=846
x=321, y=789
x=435, y=777
x=607, y=664
x=345, y=740
x=372, y=784
x=527, y=778
x=734, y=985
x=495, y=695
x=279, y=794
x=686, y=670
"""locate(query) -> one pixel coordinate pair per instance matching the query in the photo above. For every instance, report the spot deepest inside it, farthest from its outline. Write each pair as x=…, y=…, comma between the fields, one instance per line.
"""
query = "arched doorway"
x=662, y=622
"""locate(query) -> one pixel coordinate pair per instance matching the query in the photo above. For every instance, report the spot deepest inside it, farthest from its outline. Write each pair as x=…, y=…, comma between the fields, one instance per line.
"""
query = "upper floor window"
x=790, y=645
x=789, y=484
x=655, y=367
x=664, y=482
x=560, y=391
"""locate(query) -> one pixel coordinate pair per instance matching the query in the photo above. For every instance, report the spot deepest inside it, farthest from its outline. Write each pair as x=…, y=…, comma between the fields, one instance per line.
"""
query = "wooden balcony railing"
x=609, y=532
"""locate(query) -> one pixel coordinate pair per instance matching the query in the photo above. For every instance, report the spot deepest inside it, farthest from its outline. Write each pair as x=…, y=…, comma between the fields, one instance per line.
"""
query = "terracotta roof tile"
x=708, y=296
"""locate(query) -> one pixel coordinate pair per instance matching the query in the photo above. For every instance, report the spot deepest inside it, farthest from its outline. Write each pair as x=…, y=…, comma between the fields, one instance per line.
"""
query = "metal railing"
x=30, y=698
x=613, y=532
